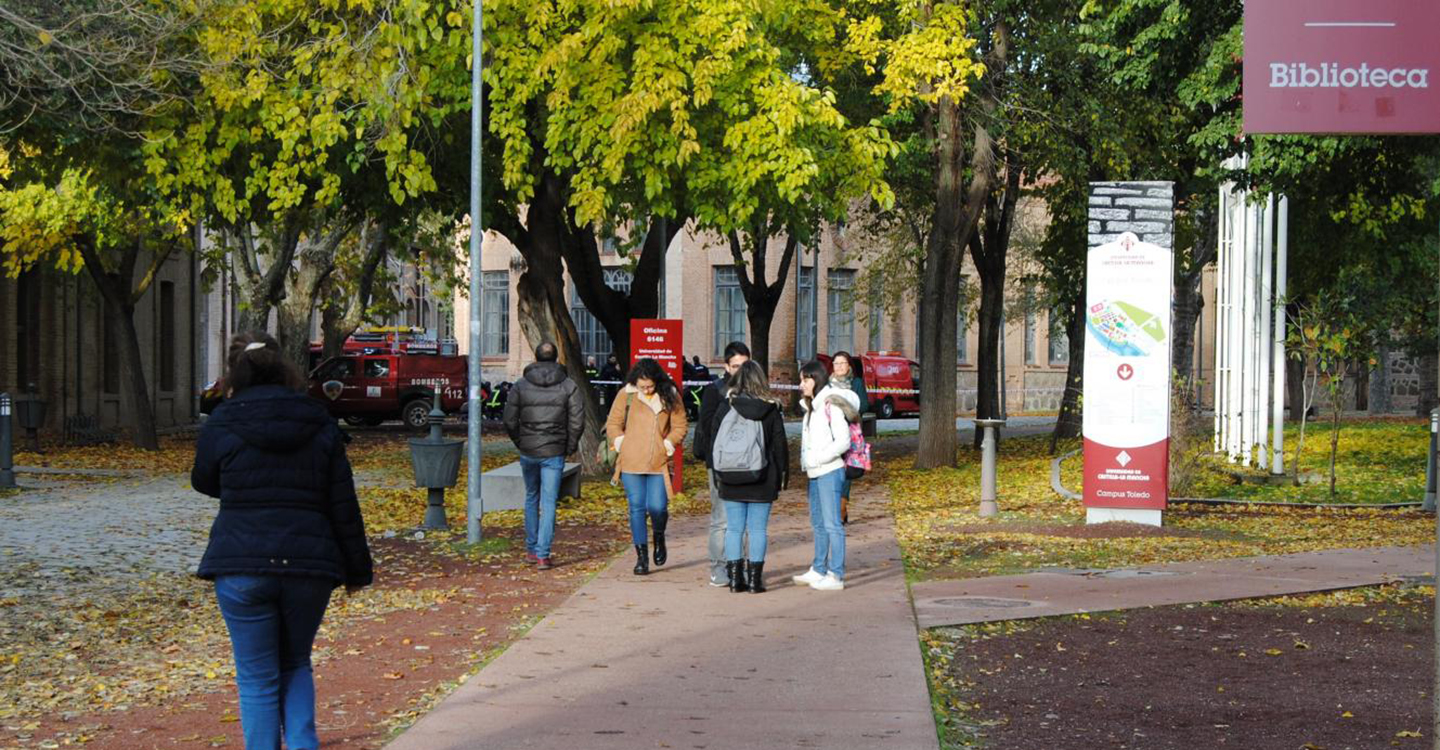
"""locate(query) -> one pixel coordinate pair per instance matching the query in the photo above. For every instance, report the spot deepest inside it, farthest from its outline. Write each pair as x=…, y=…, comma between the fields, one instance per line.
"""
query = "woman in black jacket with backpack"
x=288, y=532
x=751, y=458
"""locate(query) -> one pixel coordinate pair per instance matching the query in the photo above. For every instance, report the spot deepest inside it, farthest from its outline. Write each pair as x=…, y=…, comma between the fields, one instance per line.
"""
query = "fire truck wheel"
x=415, y=413
x=887, y=409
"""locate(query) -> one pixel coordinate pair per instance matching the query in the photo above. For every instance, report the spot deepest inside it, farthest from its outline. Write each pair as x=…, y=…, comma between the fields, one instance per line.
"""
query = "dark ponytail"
x=255, y=359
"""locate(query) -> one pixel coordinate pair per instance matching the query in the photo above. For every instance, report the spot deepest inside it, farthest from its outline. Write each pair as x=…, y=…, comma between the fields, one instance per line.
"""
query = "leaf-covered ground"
x=1378, y=461
x=87, y=652
x=943, y=536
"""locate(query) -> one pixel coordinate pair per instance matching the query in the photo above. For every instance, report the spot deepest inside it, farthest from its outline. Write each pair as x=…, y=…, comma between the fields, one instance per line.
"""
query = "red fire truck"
x=372, y=388
x=892, y=382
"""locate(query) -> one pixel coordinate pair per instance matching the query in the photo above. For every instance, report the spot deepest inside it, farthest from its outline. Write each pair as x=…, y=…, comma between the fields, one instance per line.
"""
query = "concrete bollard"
x=1431, y=467
x=989, y=504
x=7, y=452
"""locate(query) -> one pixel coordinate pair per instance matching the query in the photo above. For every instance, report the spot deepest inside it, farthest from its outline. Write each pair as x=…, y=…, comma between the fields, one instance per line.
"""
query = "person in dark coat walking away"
x=736, y=354
x=612, y=374
x=288, y=532
x=544, y=416
x=748, y=495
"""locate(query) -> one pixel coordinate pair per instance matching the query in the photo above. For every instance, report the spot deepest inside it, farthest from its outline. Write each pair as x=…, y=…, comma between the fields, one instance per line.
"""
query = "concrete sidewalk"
x=668, y=661
x=1066, y=592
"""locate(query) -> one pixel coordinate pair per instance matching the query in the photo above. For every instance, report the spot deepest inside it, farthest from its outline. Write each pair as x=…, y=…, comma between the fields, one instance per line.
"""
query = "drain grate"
x=980, y=602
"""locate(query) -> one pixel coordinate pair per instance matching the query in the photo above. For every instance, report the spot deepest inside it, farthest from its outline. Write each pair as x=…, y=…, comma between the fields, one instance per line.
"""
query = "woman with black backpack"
x=751, y=461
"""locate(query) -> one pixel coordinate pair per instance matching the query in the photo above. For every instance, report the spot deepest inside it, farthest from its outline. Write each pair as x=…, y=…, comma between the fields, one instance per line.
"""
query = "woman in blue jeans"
x=646, y=426
x=824, y=439
x=288, y=532
x=751, y=462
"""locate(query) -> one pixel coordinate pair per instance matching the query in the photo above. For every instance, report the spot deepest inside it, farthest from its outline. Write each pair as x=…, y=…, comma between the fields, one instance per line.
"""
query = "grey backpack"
x=738, y=455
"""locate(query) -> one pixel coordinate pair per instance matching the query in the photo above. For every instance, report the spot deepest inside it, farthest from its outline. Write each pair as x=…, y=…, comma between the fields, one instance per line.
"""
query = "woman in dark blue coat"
x=288, y=532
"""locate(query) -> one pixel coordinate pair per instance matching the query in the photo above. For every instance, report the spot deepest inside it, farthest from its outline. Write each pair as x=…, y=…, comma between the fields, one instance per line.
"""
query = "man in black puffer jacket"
x=544, y=415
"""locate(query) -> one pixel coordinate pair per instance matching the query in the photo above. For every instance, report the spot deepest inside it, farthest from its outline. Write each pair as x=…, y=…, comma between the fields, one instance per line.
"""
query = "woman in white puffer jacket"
x=824, y=439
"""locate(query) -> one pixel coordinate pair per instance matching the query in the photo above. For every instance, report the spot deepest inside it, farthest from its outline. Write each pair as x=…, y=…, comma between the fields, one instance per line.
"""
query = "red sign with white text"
x=1340, y=66
x=662, y=341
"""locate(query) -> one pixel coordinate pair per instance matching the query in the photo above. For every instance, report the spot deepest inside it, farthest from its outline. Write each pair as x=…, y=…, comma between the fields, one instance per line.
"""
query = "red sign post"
x=663, y=341
x=1340, y=66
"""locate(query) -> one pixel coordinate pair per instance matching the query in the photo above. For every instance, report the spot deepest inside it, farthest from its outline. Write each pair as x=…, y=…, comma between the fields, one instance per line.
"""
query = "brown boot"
x=844, y=511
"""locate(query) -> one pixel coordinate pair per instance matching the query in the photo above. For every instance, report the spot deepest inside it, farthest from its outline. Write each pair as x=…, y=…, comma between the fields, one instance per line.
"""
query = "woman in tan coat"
x=646, y=426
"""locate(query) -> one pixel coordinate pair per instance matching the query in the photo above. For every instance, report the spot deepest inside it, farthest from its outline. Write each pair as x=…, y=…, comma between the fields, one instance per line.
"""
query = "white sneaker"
x=828, y=583
x=808, y=578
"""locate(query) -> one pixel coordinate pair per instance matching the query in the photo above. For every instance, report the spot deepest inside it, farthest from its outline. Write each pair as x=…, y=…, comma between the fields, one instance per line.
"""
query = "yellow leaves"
x=1273, y=652
x=1347, y=715
x=1409, y=733
x=934, y=59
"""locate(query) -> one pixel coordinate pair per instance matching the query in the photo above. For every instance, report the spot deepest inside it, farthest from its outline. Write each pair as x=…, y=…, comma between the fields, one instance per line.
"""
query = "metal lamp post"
x=474, y=503
x=989, y=503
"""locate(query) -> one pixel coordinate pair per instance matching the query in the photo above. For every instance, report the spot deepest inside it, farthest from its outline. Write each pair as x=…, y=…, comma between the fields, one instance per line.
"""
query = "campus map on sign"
x=1124, y=328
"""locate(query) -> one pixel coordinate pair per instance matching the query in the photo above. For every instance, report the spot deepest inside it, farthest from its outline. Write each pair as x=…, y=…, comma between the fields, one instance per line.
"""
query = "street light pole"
x=474, y=504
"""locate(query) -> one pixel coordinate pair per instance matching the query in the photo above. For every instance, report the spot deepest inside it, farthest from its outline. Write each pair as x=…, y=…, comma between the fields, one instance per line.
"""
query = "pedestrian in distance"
x=610, y=374
x=646, y=426
x=845, y=374
x=750, y=459
x=824, y=439
x=736, y=354
x=287, y=533
x=544, y=416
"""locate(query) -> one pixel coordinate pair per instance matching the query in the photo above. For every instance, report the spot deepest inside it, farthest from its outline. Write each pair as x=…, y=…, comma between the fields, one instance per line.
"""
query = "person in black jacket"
x=748, y=499
x=544, y=415
x=736, y=354
x=288, y=532
x=611, y=374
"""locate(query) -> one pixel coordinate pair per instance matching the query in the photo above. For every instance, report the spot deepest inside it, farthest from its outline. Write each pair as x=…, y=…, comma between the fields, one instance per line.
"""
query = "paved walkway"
x=668, y=661
x=1067, y=592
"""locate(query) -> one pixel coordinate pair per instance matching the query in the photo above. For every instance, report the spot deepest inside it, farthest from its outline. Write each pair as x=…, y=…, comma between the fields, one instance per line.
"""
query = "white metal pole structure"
x=1282, y=247
x=1262, y=352
x=474, y=504
x=1232, y=309
x=1247, y=331
x=1222, y=307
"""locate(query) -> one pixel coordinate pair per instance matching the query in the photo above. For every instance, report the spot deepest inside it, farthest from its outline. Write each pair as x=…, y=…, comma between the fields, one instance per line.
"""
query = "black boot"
x=658, y=523
x=642, y=560
x=736, y=570
x=755, y=571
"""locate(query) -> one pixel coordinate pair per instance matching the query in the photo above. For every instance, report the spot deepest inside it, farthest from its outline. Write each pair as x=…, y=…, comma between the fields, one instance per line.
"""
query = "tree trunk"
x=1379, y=382
x=1070, y=422
x=121, y=294
x=761, y=295
x=1429, y=372
x=316, y=256
x=1189, y=303
x=615, y=309
x=989, y=249
x=260, y=289
x=543, y=311
x=1295, y=388
x=346, y=310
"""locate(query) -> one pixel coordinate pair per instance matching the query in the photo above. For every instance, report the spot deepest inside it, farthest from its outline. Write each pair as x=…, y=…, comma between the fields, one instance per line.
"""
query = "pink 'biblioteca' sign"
x=1340, y=66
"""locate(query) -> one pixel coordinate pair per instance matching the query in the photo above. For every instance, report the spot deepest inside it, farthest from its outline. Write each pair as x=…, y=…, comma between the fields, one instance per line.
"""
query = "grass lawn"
x=942, y=535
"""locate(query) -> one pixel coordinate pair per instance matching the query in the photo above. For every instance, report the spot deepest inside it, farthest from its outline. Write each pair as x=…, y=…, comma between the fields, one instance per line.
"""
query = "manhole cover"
x=1132, y=573
x=980, y=602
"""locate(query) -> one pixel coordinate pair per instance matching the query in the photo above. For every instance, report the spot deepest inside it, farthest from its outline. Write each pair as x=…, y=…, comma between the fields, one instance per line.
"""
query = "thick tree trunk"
x=955, y=217
x=121, y=293
x=544, y=312
x=261, y=289
x=1429, y=372
x=316, y=256
x=346, y=310
x=612, y=308
x=1189, y=304
x=1378, y=382
x=988, y=250
x=1070, y=421
x=761, y=295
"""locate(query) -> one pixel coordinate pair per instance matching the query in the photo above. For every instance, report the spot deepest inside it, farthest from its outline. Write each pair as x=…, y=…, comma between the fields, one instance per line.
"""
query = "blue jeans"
x=746, y=517
x=646, y=495
x=825, y=520
x=542, y=489
x=272, y=622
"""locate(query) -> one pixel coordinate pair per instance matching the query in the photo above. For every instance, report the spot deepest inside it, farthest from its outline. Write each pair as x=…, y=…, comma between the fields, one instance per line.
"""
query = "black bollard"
x=7, y=452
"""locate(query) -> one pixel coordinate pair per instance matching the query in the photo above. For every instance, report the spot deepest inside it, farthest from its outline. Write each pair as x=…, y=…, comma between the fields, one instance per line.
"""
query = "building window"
x=1059, y=342
x=962, y=332
x=1029, y=302
x=495, y=307
x=27, y=329
x=840, y=309
x=805, y=334
x=167, y=336
x=110, y=377
x=594, y=339
x=729, y=308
